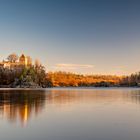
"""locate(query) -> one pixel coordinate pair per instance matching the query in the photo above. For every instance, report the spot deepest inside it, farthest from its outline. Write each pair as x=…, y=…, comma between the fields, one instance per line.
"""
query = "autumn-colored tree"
x=66, y=79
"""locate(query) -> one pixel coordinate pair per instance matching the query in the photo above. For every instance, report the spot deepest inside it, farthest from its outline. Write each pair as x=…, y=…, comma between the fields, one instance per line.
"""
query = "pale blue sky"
x=84, y=36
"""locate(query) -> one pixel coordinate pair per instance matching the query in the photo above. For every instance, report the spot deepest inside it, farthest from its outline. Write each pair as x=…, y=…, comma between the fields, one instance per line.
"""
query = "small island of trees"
x=20, y=72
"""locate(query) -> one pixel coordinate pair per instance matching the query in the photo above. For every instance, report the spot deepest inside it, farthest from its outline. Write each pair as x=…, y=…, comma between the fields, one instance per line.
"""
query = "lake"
x=70, y=114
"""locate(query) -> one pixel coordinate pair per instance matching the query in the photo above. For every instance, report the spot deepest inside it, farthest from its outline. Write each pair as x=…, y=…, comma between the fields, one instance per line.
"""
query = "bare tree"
x=12, y=57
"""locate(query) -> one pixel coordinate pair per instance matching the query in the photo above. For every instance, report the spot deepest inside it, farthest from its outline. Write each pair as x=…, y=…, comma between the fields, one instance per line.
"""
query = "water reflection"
x=21, y=104
x=71, y=96
x=71, y=114
x=133, y=96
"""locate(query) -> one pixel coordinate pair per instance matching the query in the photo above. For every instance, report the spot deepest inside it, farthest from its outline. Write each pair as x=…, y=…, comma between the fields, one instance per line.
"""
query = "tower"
x=23, y=60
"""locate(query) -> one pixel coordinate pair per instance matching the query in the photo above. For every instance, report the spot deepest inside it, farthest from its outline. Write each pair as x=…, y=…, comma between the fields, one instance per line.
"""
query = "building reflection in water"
x=21, y=104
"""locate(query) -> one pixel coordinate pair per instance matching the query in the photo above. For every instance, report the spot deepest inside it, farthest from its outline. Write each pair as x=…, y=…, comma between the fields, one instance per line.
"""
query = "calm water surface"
x=70, y=114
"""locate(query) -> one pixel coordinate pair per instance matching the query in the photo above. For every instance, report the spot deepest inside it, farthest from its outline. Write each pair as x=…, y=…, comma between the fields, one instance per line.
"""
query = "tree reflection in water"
x=21, y=104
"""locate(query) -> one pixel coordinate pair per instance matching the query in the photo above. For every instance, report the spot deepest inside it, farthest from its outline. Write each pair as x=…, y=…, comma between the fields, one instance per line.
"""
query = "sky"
x=81, y=36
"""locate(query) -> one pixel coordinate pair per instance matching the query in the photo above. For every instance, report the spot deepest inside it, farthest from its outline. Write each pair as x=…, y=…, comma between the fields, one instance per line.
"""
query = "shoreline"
x=113, y=87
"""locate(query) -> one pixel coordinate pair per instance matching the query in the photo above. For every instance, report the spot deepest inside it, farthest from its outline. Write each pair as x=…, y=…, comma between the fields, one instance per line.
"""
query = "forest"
x=67, y=79
x=35, y=76
x=25, y=77
x=132, y=81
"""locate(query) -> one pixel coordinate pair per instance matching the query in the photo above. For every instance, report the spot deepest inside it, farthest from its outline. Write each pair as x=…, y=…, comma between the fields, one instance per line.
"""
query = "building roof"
x=22, y=56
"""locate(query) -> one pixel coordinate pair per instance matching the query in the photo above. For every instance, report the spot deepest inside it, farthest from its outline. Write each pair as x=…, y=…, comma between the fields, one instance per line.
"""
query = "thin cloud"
x=73, y=66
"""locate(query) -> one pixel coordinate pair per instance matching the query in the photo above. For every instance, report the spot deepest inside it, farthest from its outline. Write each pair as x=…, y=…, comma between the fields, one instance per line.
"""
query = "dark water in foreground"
x=70, y=114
